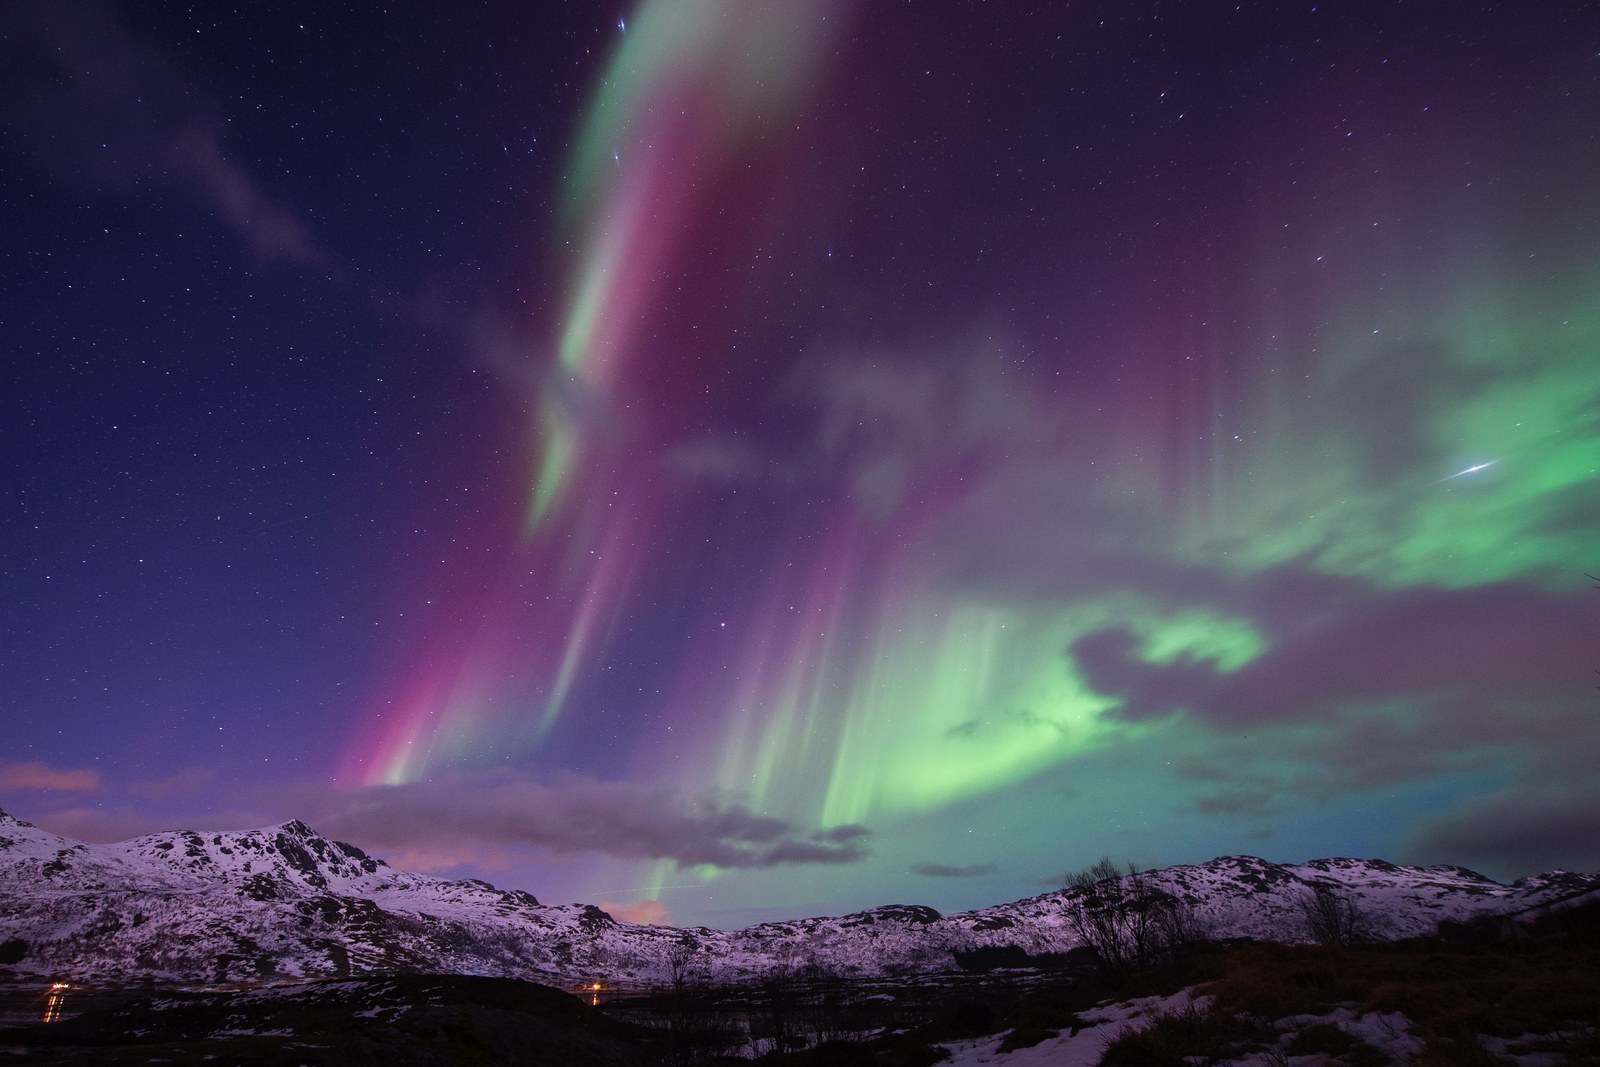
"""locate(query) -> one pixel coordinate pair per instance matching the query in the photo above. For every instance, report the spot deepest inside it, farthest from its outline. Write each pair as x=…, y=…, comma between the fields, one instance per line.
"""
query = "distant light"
x=53, y=1003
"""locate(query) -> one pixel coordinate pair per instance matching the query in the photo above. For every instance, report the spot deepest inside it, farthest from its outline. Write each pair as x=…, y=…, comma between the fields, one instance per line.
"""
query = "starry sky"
x=734, y=460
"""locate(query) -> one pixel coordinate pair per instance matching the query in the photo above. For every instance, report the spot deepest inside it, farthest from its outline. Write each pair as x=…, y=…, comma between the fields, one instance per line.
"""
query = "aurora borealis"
x=727, y=460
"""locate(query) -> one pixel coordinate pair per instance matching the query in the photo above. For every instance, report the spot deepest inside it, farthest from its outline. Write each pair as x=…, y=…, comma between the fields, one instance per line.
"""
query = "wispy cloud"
x=186, y=781
x=944, y=870
x=91, y=102
x=570, y=814
x=35, y=775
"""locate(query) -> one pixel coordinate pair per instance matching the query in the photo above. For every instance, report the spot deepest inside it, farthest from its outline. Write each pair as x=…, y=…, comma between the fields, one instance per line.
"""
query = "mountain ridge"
x=284, y=902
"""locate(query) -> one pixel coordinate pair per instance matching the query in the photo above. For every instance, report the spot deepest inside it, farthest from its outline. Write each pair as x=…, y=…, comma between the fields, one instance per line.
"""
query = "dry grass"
x=1328, y=1040
x=1455, y=998
x=1497, y=992
x=1182, y=1037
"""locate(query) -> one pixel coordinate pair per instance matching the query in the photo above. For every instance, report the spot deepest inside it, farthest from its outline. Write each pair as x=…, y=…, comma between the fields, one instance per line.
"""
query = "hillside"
x=284, y=903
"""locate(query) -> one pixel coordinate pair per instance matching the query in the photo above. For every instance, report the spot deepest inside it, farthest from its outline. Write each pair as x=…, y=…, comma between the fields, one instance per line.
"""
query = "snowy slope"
x=285, y=902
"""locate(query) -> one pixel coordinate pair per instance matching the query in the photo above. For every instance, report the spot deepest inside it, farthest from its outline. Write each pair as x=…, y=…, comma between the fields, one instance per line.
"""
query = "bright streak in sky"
x=1470, y=470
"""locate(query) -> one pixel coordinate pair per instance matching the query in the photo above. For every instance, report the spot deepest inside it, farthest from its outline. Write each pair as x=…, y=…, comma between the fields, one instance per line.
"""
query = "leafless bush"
x=1330, y=914
x=1131, y=922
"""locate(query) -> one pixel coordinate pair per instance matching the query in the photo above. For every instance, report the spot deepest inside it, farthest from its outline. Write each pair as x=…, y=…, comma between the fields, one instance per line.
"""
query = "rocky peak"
x=285, y=901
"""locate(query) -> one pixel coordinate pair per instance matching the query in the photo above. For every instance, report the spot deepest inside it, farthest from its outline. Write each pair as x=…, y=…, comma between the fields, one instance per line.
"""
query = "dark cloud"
x=1296, y=762
x=89, y=101
x=1235, y=802
x=1365, y=689
x=571, y=813
x=840, y=835
x=941, y=870
x=1521, y=830
x=1278, y=767
x=1111, y=665
x=1471, y=648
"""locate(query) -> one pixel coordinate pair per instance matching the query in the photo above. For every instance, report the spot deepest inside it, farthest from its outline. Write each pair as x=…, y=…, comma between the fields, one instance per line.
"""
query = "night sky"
x=732, y=460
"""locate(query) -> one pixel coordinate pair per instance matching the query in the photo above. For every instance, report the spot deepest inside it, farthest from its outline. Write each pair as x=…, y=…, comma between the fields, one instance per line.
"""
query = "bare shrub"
x=1130, y=921
x=1330, y=915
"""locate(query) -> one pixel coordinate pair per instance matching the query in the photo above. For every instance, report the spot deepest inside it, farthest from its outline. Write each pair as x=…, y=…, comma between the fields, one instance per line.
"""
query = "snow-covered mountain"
x=285, y=902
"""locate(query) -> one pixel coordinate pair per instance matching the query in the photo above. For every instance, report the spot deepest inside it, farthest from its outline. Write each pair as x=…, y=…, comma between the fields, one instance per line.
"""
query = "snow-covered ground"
x=1390, y=1034
x=283, y=902
x=1082, y=1048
